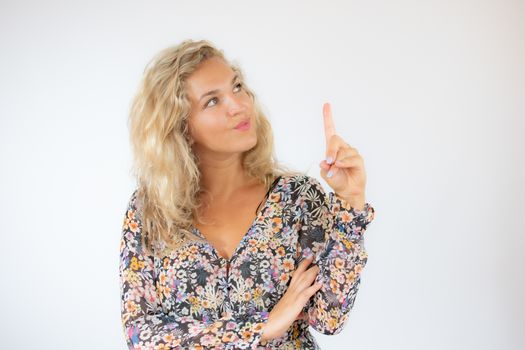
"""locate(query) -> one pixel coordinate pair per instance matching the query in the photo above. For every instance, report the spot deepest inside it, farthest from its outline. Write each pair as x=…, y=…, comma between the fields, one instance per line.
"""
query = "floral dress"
x=193, y=298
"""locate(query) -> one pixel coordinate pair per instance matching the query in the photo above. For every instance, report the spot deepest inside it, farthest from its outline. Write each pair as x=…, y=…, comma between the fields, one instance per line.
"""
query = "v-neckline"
x=247, y=233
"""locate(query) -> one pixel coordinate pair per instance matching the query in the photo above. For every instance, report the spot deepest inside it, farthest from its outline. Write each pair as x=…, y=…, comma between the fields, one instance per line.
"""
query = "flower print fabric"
x=193, y=298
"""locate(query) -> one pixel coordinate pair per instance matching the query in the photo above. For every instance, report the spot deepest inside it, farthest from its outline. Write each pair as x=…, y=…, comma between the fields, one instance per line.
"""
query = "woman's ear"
x=187, y=134
x=190, y=140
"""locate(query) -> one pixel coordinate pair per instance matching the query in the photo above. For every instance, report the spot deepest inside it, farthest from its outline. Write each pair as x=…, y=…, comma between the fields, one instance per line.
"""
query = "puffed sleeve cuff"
x=259, y=320
x=255, y=326
x=347, y=219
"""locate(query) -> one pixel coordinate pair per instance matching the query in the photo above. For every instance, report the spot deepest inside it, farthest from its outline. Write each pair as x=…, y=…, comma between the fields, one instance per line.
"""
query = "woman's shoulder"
x=297, y=178
x=301, y=184
x=135, y=203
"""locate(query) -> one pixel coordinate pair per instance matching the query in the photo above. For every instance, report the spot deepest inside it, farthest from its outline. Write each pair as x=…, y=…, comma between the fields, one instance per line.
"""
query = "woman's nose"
x=235, y=105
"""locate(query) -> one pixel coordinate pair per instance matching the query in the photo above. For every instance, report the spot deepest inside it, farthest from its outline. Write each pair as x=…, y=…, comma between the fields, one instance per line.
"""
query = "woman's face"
x=219, y=103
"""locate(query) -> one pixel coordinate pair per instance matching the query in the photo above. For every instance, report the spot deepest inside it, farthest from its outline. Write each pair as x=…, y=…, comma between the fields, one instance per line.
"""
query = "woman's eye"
x=239, y=85
x=208, y=103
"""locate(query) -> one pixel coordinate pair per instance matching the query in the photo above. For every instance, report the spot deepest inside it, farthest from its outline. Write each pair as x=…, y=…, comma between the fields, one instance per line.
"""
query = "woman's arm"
x=333, y=232
x=145, y=324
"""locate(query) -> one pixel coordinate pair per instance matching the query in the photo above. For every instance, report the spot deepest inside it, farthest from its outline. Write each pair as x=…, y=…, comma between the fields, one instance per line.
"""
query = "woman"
x=223, y=247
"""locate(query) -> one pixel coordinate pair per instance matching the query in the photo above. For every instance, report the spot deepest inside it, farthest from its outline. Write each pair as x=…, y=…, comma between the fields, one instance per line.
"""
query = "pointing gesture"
x=343, y=169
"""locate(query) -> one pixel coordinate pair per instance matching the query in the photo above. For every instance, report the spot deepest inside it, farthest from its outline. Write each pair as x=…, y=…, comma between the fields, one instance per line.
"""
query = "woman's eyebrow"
x=211, y=92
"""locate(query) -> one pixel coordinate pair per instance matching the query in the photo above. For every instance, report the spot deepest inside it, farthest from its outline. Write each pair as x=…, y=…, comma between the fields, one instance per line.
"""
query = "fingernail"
x=329, y=160
x=330, y=173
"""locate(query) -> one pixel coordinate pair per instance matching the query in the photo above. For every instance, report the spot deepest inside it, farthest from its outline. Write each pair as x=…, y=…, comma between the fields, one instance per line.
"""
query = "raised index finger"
x=329, y=128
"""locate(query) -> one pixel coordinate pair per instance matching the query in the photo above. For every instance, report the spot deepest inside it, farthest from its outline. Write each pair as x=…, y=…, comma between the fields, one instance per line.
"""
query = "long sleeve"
x=147, y=326
x=333, y=232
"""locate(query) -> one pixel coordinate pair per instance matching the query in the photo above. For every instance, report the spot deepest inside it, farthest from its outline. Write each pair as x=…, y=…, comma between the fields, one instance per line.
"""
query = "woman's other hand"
x=289, y=308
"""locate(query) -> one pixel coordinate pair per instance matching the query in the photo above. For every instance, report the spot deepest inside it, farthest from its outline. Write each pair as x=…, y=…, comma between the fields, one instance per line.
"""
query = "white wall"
x=432, y=93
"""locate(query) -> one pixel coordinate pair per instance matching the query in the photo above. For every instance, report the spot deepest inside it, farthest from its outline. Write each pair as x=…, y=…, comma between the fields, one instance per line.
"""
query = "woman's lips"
x=243, y=126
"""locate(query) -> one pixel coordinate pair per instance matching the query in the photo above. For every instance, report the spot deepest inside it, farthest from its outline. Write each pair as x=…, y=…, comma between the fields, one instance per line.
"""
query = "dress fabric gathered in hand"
x=193, y=298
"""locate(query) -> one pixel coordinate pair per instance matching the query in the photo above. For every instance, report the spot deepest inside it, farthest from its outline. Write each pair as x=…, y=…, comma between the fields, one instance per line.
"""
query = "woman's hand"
x=289, y=308
x=344, y=168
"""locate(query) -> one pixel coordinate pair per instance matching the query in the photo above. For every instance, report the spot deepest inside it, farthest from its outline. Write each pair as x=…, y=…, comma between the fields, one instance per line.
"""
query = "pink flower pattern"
x=192, y=298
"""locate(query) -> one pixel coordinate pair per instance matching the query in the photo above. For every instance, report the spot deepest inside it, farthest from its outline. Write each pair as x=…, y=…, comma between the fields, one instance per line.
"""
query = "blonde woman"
x=223, y=247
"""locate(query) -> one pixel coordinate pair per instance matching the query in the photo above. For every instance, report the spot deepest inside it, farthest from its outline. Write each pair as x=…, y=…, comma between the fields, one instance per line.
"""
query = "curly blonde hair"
x=163, y=162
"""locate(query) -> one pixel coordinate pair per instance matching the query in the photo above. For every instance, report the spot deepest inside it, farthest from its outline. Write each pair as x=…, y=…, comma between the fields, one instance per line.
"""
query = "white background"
x=432, y=94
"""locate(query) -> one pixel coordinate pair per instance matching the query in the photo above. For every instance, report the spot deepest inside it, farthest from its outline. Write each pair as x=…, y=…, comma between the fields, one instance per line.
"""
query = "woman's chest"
x=227, y=228
x=224, y=224
x=196, y=280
